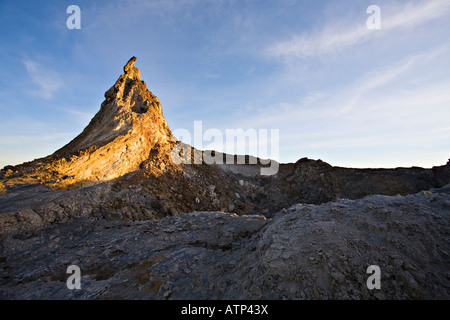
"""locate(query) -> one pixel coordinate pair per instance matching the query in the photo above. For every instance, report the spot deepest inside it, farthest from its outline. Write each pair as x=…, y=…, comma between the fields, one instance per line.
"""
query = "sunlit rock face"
x=129, y=124
x=119, y=138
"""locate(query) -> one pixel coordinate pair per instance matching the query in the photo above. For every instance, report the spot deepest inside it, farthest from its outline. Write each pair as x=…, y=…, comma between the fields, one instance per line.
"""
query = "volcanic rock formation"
x=129, y=126
x=121, y=135
x=114, y=191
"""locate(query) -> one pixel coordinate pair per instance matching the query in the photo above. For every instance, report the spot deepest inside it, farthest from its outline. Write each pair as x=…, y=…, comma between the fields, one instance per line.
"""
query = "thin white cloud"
x=417, y=117
x=327, y=41
x=47, y=80
x=415, y=14
x=338, y=35
x=375, y=80
x=379, y=78
x=397, y=107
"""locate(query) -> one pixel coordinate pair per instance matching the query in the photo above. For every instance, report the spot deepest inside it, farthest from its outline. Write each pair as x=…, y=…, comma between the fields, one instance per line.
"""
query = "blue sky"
x=334, y=89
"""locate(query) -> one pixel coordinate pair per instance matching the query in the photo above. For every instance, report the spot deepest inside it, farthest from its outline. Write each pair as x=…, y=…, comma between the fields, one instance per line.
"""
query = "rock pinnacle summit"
x=130, y=70
x=118, y=139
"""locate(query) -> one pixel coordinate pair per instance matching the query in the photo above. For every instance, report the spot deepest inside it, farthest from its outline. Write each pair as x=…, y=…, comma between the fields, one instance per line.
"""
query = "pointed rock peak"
x=129, y=133
x=130, y=70
x=130, y=64
x=119, y=138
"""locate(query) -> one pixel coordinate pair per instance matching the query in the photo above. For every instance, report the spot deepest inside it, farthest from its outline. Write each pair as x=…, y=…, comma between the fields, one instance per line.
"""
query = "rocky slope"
x=114, y=201
x=303, y=252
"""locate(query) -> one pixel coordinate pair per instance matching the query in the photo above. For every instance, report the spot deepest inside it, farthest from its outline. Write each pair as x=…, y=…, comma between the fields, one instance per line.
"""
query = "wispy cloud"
x=411, y=15
x=385, y=76
x=47, y=80
x=409, y=121
x=400, y=106
x=338, y=35
x=325, y=42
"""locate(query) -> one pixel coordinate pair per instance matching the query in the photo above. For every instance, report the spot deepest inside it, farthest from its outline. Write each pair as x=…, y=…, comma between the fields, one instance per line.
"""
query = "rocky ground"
x=149, y=193
x=303, y=252
x=116, y=202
